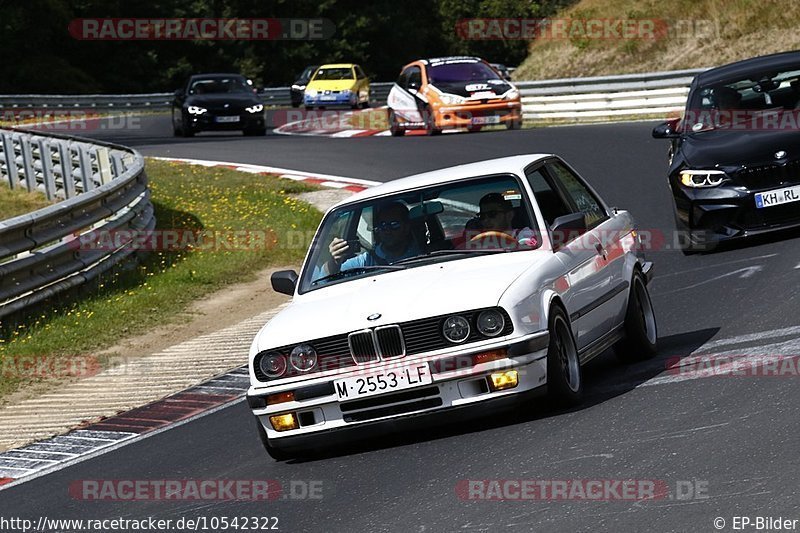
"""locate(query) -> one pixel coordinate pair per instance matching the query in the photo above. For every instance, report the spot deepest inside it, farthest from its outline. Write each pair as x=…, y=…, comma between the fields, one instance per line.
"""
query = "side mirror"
x=284, y=281
x=413, y=85
x=666, y=130
x=566, y=228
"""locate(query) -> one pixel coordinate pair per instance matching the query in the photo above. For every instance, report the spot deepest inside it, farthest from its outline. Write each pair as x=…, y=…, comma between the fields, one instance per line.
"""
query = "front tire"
x=394, y=126
x=564, y=376
x=641, y=332
x=430, y=123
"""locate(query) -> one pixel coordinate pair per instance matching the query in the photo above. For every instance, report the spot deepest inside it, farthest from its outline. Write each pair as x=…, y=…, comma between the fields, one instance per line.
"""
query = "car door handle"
x=600, y=249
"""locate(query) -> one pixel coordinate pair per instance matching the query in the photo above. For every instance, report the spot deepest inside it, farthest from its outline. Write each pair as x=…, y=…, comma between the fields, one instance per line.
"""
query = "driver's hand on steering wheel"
x=339, y=250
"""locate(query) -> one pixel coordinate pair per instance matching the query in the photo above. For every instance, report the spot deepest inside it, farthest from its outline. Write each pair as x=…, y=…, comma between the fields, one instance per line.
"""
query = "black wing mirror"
x=284, y=281
x=666, y=130
x=566, y=228
x=413, y=85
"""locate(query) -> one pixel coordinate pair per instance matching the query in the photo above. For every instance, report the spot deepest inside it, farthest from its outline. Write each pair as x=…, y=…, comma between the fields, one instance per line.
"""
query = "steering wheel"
x=491, y=239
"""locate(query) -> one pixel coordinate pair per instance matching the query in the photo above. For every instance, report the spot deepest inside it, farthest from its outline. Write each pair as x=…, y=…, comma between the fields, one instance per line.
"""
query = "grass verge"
x=14, y=202
x=186, y=198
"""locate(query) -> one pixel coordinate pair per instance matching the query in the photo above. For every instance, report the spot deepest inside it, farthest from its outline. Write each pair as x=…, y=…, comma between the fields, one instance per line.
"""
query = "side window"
x=402, y=80
x=579, y=194
x=414, y=78
x=550, y=202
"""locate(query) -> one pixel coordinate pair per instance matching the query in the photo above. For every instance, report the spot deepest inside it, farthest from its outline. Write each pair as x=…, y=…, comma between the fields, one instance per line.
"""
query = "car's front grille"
x=391, y=404
x=362, y=346
x=390, y=341
x=384, y=342
x=767, y=176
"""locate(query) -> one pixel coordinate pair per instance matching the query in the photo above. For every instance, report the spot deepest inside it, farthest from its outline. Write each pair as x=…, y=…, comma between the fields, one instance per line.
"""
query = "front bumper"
x=210, y=121
x=464, y=116
x=331, y=99
x=728, y=212
x=323, y=418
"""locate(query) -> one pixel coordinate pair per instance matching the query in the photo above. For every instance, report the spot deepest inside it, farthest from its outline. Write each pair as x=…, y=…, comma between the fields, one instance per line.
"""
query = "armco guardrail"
x=606, y=96
x=277, y=96
x=575, y=98
x=104, y=191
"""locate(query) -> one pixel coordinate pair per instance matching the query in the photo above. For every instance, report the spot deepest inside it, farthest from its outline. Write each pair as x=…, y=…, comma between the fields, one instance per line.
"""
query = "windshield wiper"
x=435, y=253
x=356, y=270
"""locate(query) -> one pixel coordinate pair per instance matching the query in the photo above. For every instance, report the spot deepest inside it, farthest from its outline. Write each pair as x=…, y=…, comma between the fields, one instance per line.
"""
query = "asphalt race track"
x=734, y=440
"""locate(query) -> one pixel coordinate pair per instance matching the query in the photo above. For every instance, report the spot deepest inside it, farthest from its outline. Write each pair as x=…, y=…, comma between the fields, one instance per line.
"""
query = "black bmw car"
x=734, y=159
x=298, y=88
x=214, y=102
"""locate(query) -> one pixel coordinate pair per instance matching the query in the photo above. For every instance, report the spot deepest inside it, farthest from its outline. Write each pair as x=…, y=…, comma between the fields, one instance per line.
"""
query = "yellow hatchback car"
x=337, y=84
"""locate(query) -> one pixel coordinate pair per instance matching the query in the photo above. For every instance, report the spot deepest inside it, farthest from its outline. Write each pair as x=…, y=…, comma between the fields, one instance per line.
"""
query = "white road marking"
x=745, y=272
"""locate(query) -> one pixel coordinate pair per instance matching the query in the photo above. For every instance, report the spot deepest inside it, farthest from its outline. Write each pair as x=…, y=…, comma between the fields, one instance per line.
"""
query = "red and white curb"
x=324, y=180
x=31, y=461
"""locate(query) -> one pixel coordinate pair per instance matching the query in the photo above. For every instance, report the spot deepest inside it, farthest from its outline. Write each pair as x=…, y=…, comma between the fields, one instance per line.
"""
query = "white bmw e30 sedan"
x=452, y=292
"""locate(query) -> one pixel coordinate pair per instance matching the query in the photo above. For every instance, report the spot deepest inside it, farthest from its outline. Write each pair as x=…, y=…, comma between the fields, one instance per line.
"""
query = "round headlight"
x=303, y=357
x=491, y=322
x=273, y=365
x=456, y=329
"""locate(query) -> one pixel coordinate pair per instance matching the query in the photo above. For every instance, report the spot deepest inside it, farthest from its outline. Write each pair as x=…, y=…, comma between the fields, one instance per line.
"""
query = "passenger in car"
x=497, y=214
x=392, y=231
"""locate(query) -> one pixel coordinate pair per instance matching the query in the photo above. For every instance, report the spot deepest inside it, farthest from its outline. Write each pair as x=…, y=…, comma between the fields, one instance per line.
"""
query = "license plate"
x=383, y=381
x=227, y=119
x=493, y=119
x=778, y=197
x=327, y=97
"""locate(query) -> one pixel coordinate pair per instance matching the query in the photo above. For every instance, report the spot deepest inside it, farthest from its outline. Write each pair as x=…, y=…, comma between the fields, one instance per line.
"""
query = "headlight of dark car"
x=701, y=178
x=257, y=108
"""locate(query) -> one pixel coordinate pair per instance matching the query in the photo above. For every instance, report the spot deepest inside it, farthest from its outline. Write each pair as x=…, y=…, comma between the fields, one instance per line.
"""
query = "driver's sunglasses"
x=491, y=214
x=388, y=225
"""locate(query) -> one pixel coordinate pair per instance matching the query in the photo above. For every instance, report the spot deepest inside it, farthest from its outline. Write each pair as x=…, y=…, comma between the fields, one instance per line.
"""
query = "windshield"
x=219, y=86
x=339, y=73
x=307, y=73
x=445, y=222
x=458, y=72
x=746, y=100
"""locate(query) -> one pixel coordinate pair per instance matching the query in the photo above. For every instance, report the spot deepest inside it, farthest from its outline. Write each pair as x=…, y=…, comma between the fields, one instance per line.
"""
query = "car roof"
x=740, y=69
x=515, y=164
x=219, y=75
x=338, y=65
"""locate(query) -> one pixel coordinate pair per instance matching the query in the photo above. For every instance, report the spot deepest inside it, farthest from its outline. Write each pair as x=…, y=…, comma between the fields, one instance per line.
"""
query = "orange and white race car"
x=452, y=92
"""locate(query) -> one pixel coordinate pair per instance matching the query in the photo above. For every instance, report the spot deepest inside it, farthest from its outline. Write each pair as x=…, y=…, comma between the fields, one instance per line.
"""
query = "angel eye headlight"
x=456, y=329
x=702, y=178
x=491, y=322
x=196, y=110
x=258, y=108
x=273, y=365
x=303, y=358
